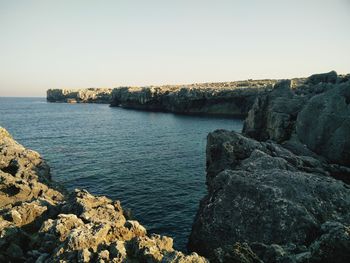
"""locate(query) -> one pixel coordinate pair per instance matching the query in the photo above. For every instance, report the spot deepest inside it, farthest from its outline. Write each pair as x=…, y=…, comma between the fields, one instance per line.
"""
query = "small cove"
x=154, y=163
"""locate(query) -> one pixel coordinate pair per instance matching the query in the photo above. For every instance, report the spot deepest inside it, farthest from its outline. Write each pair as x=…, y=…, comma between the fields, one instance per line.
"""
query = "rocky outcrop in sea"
x=91, y=95
x=41, y=222
x=280, y=191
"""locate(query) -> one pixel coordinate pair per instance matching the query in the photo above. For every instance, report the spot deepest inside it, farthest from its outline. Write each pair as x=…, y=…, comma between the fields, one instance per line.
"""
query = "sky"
x=80, y=44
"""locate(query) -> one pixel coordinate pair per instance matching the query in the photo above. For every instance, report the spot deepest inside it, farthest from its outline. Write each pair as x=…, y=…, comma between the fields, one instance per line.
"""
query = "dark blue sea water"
x=154, y=163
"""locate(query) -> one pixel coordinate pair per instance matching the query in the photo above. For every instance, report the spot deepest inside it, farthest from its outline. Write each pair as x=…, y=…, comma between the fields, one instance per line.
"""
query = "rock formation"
x=41, y=222
x=231, y=98
x=285, y=196
x=315, y=113
x=228, y=98
x=91, y=95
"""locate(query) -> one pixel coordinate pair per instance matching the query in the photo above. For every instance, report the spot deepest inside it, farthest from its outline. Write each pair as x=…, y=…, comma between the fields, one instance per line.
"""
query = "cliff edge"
x=226, y=98
x=281, y=189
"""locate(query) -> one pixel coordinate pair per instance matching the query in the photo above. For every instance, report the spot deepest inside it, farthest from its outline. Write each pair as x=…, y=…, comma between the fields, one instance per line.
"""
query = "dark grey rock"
x=316, y=114
x=330, y=77
x=324, y=124
x=91, y=95
x=229, y=98
x=261, y=192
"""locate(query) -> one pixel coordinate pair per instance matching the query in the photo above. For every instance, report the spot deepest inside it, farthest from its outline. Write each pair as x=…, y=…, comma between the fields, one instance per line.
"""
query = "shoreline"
x=277, y=192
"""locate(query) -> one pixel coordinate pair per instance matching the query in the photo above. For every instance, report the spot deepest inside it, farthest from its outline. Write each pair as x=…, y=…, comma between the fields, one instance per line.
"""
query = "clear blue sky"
x=55, y=44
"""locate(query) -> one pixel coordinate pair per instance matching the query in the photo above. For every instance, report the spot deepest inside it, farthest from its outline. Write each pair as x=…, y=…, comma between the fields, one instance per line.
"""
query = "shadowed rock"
x=261, y=192
x=314, y=113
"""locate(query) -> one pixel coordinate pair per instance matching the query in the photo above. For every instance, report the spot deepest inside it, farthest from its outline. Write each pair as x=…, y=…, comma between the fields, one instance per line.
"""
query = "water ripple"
x=153, y=162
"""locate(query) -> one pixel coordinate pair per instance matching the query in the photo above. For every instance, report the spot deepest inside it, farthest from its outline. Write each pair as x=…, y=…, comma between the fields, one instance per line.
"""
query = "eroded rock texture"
x=285, y=196
x=314, y=112
x=40, y=222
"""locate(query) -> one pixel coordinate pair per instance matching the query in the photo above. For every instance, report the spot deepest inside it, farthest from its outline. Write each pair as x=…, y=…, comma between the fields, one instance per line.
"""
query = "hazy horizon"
x=83, y=44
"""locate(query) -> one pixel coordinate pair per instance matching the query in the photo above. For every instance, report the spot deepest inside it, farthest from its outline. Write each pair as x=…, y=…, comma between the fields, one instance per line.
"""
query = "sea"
x=153, y=162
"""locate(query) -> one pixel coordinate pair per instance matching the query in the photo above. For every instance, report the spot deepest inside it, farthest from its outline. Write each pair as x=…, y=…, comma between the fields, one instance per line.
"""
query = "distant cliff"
x=90, y=95
x=226, y=98
x=223, y=98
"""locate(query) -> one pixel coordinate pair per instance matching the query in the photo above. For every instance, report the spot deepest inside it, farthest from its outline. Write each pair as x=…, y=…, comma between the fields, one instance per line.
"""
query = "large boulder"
x=260, y=192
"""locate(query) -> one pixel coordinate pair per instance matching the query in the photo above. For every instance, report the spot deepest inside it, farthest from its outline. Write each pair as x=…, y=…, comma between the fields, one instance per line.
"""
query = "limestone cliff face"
x=231, y=98
x=226, y=98
x=315, y=113
x=41, y=222
x=283, y=192
x=82, y=95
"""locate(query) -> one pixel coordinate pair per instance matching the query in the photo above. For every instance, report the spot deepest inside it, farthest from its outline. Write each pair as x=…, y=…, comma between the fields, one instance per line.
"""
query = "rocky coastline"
x=41, y=222
x=226, y=98
x=278, y=192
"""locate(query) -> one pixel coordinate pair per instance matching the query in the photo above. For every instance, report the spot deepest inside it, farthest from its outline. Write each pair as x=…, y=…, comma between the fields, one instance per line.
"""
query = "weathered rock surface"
x=40, y=222
x=264, y=195
x=315, y=113
x=281, y=195
x=91, y=95
x=230, y=98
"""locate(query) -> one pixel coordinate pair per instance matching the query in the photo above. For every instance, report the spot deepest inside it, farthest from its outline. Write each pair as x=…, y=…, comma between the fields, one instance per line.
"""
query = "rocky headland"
x=280, y=191
x=41, y=222
x=225, y=98
x=91, y=95
x=277, y=193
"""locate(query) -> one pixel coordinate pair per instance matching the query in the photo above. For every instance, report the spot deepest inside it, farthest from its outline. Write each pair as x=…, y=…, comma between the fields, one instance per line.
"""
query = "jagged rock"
x=315, y=113
x=328, y=134
x=23, y=174
x=272, y=116
x=261, y=192
x=237, y=253
x=94, y=209
x=38, y=223
x=178, y=257
x=27, y=196
x=151, y=248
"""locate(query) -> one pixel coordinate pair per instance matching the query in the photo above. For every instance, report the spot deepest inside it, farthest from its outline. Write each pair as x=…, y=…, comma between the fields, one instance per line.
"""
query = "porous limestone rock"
x=41, y=222
x=260, y=192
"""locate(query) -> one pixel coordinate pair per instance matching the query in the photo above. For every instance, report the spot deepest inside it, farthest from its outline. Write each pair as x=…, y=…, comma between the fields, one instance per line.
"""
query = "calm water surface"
x=154, y=163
